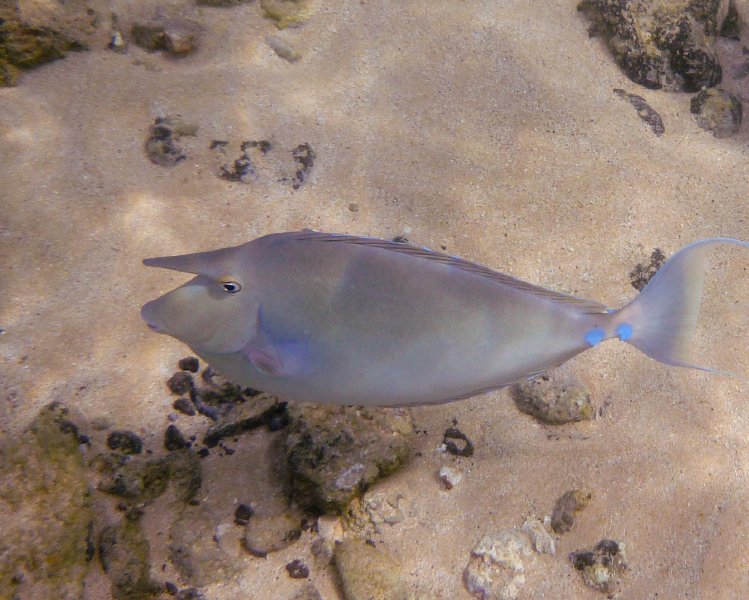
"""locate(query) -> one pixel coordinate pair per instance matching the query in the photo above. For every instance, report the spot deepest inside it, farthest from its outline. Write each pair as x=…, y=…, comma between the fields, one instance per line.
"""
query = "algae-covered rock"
x=45, y=508
x=717, y=111
x=177, y=37
x=124, y=555
x=24, y=45
x=287, y=13
x=334, y=453
x=204, y=549
x=555, y=397
x=368, y=573
x=603, y=566
x=566, y=509
x=661, y=44
x=366, y=516
x=266, y=534
x=140, y=479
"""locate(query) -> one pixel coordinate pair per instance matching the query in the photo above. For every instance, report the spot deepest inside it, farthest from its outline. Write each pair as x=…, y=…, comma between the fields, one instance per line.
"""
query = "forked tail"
x=662, y=319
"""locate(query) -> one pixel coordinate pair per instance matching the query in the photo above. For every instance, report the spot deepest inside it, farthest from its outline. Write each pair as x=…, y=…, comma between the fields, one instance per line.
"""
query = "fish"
x=341, y=319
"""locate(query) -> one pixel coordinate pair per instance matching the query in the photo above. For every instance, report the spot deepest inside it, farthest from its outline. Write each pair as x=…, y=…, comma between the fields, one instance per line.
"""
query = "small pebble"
x=567, y=508
x=353, y=207
x=174, y=440
x=450, y=477
x=542, y=540
x=185, y=406
x=126, y=442
x=282, y=49
x=243, y=513
x=297, y=569
x=180, y=383
x=172, y=417
x=189, y=363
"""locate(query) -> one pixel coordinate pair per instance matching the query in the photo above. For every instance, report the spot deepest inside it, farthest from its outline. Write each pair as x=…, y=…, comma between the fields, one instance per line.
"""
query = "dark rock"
x=130, y=477
x=305, y=156
x=243, y=514
x=189, y=363
x=244, y=169
x=141, y=480
x=297, y=569
x=185, y=406
x=457, y=443
x=400, y=239
x=124, y=555
x=644, y=111
x=177, y=37
x=45, y=508
x=180, y=383
x=642, y=274
x=603, y=566
x=161, y=145
x=173, y=439
x=276, y=414
x=731, y=26
x=555, y=397
x=126, y=442
x=660, y=45
x=567, y=508
x=335, y=453
x=717, y=111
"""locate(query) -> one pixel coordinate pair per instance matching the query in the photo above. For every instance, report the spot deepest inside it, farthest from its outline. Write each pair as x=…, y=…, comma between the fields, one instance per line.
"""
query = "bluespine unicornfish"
x=351, y=320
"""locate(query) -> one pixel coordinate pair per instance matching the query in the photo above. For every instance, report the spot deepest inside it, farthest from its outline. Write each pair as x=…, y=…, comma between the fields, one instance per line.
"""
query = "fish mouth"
x=146, y=314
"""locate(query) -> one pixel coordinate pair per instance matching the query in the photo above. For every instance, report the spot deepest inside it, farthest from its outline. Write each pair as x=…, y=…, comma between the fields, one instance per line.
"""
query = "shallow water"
x=489, y=130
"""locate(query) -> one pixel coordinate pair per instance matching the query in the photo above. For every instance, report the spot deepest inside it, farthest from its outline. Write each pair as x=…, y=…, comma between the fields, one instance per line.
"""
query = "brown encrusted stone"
x=334, y=453
x=661, y=44
x=567, y=508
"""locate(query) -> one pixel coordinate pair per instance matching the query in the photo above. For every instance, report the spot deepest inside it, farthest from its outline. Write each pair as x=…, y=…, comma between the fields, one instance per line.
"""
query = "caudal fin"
x=662, y=319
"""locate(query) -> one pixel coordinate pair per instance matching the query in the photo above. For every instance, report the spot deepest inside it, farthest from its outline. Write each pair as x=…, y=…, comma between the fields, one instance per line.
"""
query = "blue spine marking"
x=595, y=336
x=624, y=331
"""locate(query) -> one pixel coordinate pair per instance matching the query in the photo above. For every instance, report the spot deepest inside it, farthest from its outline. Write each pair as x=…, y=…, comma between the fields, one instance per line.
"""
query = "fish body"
x=349, y=320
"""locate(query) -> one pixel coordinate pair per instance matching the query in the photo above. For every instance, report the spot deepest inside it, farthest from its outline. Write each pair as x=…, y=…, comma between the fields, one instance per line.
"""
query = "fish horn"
x=200, y=263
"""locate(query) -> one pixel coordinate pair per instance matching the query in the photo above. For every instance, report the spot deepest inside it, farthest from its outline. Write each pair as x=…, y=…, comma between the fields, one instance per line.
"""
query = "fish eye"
x=229, y=285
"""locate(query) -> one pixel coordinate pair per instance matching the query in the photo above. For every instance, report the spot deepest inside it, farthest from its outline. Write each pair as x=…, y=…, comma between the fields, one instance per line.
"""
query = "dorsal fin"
x=588, y=306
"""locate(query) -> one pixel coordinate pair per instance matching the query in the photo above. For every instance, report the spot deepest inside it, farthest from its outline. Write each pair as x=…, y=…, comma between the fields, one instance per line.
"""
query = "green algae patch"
x=141, y=480
x=24, y=46
x=45, y=507
x=287, y=13
x=124, y=555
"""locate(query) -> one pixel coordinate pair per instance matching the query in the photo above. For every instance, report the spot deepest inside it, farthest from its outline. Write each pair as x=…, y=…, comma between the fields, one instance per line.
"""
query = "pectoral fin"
x=264, y=360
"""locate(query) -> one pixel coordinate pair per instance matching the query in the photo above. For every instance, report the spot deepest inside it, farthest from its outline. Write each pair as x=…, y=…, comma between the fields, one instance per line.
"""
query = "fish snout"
x=147, y=314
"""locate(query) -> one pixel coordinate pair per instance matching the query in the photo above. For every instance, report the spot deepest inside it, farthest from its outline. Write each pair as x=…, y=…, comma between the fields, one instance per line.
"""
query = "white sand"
x=489, y=128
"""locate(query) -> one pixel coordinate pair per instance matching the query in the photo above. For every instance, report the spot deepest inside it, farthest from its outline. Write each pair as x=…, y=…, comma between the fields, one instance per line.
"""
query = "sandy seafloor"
x=489, y=128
